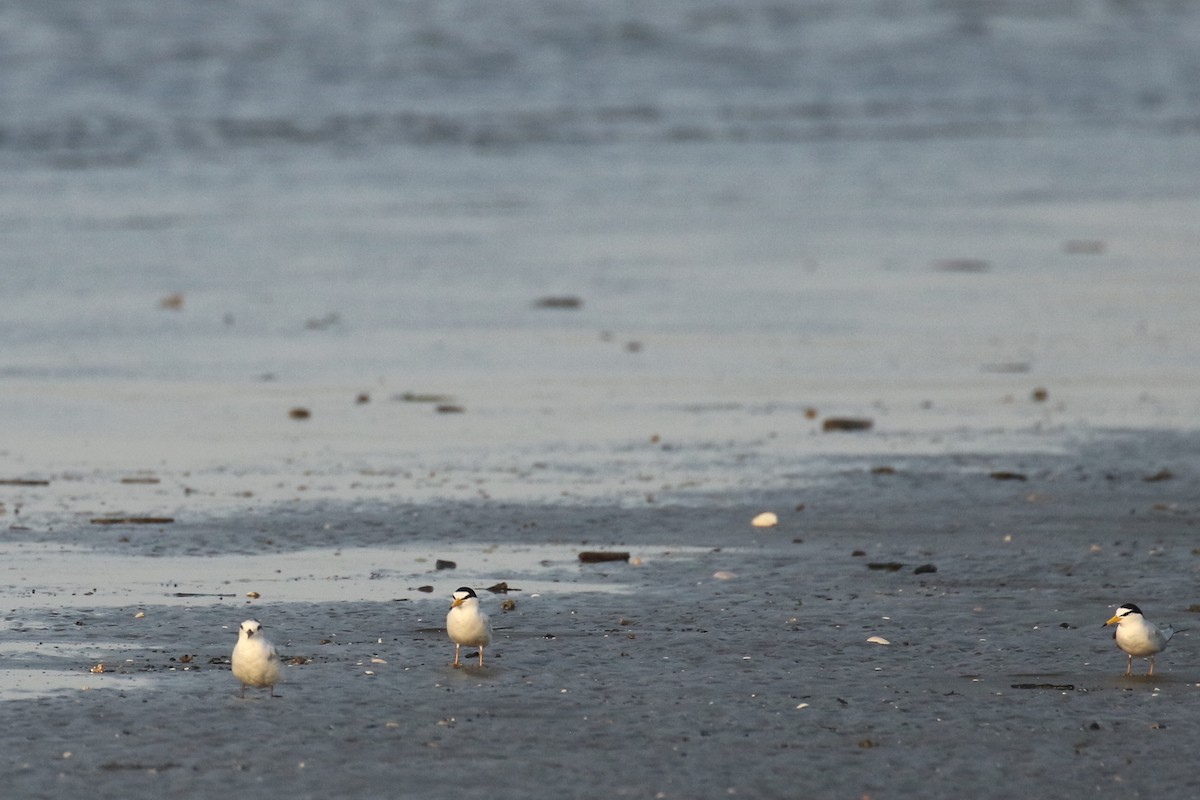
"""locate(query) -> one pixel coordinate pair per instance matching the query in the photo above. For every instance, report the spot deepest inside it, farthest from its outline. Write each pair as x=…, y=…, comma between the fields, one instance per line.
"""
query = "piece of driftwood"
x=597, y=556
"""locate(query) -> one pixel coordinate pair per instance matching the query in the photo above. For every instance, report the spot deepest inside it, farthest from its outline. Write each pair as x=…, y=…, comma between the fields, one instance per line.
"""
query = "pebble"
x=847, y=424
x=558, y=301
x=767, y=519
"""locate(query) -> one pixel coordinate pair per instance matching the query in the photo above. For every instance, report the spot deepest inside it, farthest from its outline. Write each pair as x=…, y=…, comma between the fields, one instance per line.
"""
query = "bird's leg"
x=1129, y=666
x=481, y=656
x=457, y=647
x=243, y=691
x=1151, y=672
x=273, y=691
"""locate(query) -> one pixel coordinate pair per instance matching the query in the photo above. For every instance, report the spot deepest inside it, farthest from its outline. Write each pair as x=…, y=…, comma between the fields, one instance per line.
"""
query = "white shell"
x=767, y=519
x=878, y=640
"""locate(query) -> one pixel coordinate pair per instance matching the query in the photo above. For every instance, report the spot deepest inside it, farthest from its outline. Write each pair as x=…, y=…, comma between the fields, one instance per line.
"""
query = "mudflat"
x=721, y=659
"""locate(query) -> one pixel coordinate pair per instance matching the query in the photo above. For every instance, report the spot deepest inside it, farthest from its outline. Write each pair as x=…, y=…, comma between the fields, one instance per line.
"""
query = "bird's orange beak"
x=458, y=601
x=1113, y=620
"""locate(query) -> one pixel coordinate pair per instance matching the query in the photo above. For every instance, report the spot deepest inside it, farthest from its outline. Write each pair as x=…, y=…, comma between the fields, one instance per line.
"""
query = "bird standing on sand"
x=1138, y=636
x=255, y=662
x=467, y=624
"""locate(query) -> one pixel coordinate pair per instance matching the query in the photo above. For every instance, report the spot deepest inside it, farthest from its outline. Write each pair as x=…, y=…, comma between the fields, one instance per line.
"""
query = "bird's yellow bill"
x=458, y=601
x=1116, y=618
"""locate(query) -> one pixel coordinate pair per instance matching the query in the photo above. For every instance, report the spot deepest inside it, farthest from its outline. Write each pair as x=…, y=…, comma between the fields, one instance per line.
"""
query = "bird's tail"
x=1168, y=632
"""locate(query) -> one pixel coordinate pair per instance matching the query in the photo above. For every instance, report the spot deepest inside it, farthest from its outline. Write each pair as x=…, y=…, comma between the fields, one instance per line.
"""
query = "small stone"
x=558, y=301
x=767, y=519
x=878, y=640
x=847, y=424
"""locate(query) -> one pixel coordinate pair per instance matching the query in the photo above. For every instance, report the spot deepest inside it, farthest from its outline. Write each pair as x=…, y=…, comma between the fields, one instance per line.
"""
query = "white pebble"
x=878, y=640
x=724, y=575
x=767, y=519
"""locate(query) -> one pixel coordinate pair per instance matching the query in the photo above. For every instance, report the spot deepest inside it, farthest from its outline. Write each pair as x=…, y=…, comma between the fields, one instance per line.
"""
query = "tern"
x=467, y=624
x=255, y=662
x=1138, y=636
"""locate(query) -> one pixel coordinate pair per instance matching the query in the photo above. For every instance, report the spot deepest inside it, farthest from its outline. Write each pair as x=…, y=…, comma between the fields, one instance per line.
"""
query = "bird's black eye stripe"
x=467, y=590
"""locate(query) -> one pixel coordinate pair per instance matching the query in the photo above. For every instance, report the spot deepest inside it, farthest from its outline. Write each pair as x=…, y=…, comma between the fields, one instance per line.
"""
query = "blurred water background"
x=753, y=211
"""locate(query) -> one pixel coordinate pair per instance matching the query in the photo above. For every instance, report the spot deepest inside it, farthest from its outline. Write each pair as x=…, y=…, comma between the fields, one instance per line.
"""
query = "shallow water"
x=49, y=576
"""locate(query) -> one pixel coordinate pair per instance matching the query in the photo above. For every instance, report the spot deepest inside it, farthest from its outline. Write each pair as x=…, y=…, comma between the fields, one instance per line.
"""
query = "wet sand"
x=247, y=260
x=653, y=678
